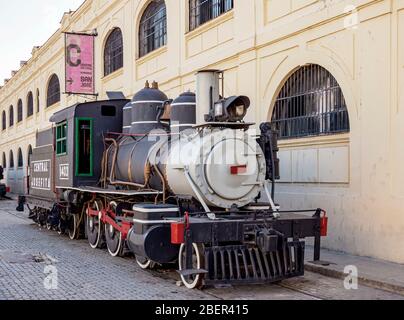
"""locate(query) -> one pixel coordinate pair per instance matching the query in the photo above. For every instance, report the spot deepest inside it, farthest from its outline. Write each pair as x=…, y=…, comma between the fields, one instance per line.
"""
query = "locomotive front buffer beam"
x=248, y=251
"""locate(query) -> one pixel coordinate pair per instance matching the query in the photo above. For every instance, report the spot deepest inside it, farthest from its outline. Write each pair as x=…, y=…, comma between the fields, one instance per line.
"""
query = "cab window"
x=61, y=139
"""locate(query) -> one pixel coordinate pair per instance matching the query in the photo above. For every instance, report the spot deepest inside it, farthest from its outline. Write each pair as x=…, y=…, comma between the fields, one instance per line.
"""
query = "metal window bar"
x=53, y=91
x=311, y=103
x=202, y=11
x=153, y=29
x=113, y=55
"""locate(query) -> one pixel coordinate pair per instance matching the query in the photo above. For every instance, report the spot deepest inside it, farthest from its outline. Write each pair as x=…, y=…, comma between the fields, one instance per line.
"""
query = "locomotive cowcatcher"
x=185, y=182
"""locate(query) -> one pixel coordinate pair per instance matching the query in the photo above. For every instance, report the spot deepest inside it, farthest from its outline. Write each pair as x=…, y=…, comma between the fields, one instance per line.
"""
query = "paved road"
x=27, y=253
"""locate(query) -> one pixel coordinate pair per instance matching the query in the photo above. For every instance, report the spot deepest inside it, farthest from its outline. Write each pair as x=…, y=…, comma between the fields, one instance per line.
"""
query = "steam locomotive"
x=172, y=185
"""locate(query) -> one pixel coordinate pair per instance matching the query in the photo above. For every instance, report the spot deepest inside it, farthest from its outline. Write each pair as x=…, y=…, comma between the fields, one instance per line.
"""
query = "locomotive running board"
x=128, y=193
x=247, y=265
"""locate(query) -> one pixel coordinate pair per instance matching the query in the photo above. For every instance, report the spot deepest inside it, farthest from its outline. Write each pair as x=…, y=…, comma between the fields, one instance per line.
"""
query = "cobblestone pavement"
x=26, y=253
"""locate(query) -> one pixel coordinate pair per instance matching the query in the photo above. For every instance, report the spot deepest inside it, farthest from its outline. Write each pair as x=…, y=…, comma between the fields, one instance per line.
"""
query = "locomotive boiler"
x=184, y=181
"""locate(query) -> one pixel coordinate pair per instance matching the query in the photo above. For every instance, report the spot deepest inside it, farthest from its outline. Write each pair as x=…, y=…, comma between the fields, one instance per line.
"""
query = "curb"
x=376, y=284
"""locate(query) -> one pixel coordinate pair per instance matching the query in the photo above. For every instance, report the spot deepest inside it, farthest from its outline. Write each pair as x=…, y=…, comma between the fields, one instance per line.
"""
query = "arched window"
x=20, y=159
x=29, y=155
x=53, y=92
x=11, y=159
x=4, y=161
x=38, y=107
x=311, y=103
x=202, y=11
x=11, y=116
x=113, y=52
x=19, y=111
x=3, y=121
x=30, y=104
x=153, y=27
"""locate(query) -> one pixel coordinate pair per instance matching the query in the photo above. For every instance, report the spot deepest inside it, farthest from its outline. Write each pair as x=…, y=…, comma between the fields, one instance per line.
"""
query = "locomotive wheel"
x=95, y=228
x=198, y=262
x=145, y=263
x=114, y=240
x=73, y=227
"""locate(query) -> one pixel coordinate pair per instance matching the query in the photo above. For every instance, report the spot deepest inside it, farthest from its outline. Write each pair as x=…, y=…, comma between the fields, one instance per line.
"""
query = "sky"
x=25, y=24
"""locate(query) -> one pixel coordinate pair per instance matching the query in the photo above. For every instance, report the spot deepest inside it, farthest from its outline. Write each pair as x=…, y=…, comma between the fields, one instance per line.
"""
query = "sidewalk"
x=374, y=273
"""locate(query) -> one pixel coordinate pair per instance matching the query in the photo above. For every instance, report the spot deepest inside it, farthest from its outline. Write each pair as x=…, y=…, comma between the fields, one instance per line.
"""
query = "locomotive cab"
x=78, y=140
x=66, y=155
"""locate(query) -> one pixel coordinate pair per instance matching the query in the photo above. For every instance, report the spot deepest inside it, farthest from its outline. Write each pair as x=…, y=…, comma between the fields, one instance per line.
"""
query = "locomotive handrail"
x=143, y=134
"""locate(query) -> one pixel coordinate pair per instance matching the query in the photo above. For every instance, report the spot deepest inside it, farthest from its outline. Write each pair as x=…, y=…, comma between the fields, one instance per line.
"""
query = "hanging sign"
x=79, y=61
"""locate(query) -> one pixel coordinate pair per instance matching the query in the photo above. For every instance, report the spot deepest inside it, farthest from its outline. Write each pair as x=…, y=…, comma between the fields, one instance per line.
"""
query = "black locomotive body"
x=148, y=177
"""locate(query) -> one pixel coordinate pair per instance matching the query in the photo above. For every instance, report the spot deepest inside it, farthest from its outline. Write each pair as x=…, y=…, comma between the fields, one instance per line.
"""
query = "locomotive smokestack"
x=207, y=93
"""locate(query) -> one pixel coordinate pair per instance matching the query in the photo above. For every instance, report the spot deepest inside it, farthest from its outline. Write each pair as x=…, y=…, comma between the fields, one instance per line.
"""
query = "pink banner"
x=79, y=64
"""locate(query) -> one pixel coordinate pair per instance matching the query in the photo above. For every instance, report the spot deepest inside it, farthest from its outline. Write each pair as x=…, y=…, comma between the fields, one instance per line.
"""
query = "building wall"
x=356, y=176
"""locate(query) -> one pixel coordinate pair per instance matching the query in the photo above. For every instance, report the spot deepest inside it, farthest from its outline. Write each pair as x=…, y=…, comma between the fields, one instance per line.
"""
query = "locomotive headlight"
x=237, y=108
x=219, y=109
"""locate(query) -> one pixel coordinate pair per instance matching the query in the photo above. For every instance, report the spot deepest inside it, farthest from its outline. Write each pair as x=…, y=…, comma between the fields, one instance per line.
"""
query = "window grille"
x=11, y=115
x=3, y=121
x=20, y=159
x=153, y=28
x=53, y=95
x=19, y=110
x=311, y=103
x=30, y=105
x=113, y=52
x=202, y=11
x=37, y=101
x=11, y=166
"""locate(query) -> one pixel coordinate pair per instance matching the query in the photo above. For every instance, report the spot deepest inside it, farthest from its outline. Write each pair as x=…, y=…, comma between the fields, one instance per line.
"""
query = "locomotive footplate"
x=249, y=251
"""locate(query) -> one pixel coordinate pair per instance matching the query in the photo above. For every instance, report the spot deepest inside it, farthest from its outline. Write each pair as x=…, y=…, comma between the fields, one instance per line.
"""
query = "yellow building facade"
x=356, y=175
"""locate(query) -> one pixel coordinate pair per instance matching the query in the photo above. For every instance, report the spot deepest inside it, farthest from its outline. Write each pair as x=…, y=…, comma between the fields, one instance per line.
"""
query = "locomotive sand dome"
x=183, y=112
